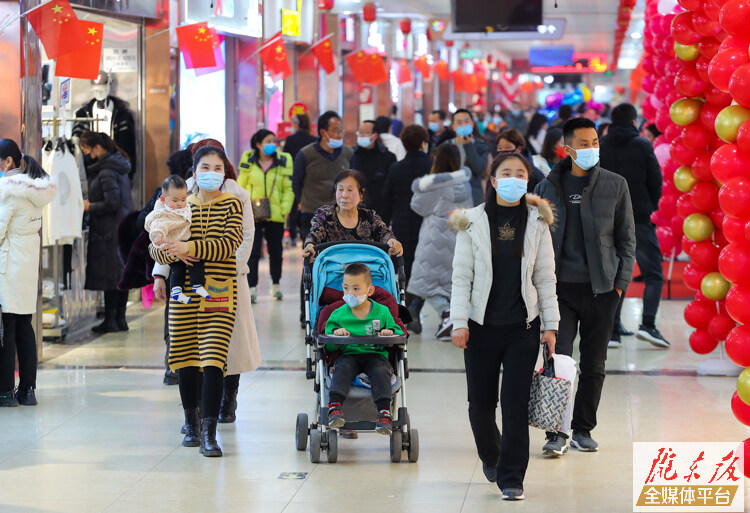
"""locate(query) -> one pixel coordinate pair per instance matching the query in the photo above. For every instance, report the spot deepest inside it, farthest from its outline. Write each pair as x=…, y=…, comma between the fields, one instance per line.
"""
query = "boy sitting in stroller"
x=361, y=316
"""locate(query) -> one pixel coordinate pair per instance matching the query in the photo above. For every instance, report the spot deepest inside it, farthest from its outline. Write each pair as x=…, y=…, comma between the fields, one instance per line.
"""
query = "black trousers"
x=592, y=315
x=377, y=368
x=649, y=258
x=514, y=347
x=115, y=304
x=305, y=225
x=210, y=391
x=292, y=222
x=179, y=272
x=274, y=235
x=19, y=338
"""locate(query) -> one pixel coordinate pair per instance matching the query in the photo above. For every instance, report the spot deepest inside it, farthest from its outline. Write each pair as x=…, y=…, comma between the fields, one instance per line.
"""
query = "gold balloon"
x=684, y=179
x=743, y=385
x=686, y=52
x=685, y=111
x=729, y=120
x=698, y=227
x=714, y=286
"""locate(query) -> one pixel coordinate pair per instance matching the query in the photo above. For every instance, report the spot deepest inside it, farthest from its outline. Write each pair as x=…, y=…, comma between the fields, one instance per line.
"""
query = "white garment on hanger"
x=64, y=215
x=105, y=118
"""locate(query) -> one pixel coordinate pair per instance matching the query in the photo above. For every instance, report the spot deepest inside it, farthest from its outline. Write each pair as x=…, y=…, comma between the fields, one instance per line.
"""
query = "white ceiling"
x=590, y=23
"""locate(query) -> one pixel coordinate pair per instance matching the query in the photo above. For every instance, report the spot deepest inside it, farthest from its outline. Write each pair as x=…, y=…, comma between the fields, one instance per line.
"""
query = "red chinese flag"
x=216, y=41
x=323, y=51
x=441, y=70
x=421, y=64
x=196, y=44
x=403, y=73
x=459, y=82
x=376, y=70
x=83, y=63
x=55, y=24
x=357, y=63
x=273, y=53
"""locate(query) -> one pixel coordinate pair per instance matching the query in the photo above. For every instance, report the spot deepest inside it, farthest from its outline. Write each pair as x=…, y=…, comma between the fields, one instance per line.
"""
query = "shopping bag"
x=548, y=397
x=565, y=368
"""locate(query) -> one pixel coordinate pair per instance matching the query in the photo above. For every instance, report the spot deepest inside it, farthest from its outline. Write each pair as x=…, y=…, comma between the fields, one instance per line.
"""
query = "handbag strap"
x=548, y=368
x=274, y=181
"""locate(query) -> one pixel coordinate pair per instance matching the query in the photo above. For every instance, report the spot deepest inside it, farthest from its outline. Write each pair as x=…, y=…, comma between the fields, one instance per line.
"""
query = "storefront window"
x=202, y=105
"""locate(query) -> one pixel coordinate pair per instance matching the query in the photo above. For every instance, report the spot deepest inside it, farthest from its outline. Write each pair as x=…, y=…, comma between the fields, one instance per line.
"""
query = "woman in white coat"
x=244, y=350
x=25, y=189
x=503, y=278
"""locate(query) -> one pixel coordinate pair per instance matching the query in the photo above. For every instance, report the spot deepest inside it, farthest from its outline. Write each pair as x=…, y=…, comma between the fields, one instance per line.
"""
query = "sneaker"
x=513, y=494
x=583, y=442
x=170, y=378
x=276, y=292
x=26, y=397
x=335, y=416
x=384, y=423
x=652, y=335
x=624, y=331
x=253, y=295
x=557, y=444
x=614, y=341
x=8, y=400
x=445, y=330
x=490, y=472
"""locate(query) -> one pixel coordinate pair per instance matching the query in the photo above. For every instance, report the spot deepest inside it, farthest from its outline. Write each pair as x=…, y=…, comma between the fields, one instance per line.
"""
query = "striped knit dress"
x=201, y=338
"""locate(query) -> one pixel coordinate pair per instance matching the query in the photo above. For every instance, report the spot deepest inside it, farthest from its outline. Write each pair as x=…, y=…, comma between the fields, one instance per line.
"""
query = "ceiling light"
x=636, y=35
x=549, y=79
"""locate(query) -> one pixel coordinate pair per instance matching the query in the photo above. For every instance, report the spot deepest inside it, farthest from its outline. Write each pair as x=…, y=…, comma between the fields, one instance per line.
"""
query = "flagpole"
x=16, y=18
x=265, y=45
x=310, y=49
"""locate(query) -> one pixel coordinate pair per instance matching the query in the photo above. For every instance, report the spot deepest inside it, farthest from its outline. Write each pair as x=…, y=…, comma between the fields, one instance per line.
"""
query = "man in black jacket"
x=439, y=133
x=373, y=159
x=632, y=157
x=292, y=145
x=594, y=241
x=475, y=154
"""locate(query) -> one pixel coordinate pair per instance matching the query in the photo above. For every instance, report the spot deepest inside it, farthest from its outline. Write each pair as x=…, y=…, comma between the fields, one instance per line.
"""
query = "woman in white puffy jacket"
x=503, y=278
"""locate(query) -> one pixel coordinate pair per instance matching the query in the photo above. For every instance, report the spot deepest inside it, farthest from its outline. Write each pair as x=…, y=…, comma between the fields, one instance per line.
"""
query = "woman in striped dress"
x=200, y=331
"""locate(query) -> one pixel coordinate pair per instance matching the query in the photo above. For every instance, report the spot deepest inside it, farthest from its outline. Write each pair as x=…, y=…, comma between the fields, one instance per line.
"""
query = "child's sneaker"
x=384, y=423
x=276, y=292
x=445, y=331
x=253, y=295
x=335, y=416
x=178, y=296
x=201, y=291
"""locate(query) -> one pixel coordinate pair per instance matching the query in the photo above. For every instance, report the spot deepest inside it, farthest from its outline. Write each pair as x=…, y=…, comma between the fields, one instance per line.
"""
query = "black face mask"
x=88, y=160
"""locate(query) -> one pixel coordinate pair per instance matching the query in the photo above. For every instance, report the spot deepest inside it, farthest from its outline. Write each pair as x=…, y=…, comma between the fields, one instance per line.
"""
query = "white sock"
x=178, y=296
x=201, y=291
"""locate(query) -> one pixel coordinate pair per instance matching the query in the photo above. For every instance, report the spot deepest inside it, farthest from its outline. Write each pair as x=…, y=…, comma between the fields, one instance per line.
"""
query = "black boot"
x=122, y=304
x=8, y=399
x=26, y=396
x=192, y=428
x=209, y=445
x=110, y=311
x=186, y=427
x=228, y=407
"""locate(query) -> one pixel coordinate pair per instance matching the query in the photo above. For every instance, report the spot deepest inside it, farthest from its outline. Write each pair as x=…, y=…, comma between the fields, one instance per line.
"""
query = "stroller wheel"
x=332, y=437
x=314, y=446
x=300, y=434
x=396, y=445
x=413, y=449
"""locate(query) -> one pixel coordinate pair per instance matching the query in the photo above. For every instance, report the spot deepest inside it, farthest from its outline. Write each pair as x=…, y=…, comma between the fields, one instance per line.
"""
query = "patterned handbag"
x=549, y=397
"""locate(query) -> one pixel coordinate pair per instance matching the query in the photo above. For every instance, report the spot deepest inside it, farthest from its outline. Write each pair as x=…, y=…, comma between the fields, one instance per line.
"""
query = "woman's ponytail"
x=32, y=168
x=29, y=166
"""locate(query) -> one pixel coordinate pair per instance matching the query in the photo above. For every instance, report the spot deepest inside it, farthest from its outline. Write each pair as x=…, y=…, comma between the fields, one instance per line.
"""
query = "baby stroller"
x=319, y=280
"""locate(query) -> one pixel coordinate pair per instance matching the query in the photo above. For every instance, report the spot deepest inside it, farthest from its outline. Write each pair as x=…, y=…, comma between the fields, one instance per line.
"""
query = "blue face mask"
x=433, y=126
x=335, y=143
x=269, y=149
x=511, y=189
x=586, y=158
x=497, y=120
x=364, y=142
x=465, y=130
x=209, y=181
x=354, y=301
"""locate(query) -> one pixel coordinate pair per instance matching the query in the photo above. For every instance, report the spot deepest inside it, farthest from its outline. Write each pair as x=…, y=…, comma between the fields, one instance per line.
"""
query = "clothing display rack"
x=57, y=121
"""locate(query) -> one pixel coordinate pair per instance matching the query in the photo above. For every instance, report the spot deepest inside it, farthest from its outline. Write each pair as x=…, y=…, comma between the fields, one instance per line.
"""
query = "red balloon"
x=663, y=87
x=720, y=326
x=669, y=188
x=708, y=116
x=699, y=312
x=737, y=345
x=676, y=224
x=658, y=218
x=685, y=206
x=711, y=10
x=723, y=65
x=743, y=140
x=735, y=17
x=734, y=197
x=740, y=409
x=667, y=206
x=726, y=163
x=717, y=217
x=667, y=47
x=709, y=47
x=690, y=5
x=687, y=245
x=667, y=240
x=705, y=196
x=648, y=84
x=734, y=229
x=672, y=97
x=716, y=97
x=731, y=42
x=704, y=25
x=670, y=167
x=662, y=119
x=702, y=166
x=719, y=238
x=716, y=143
x=672, y=132
x=746, y=453
x=738, y=303
x=702, y=342
x=648, y=63
x=672, y=67
x=683, y=31
x=701, y=67
x=734, y=262
x=688, y=82
x=680, y=153
x=704, y=255
x=695, y=138
x=739, y=85
x=692, y=276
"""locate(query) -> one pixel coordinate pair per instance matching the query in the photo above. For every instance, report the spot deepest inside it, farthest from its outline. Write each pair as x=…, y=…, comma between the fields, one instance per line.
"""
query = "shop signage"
x=297, y=108
x=291, y=23
x=119, y=60
x=582, y=63
x=64, y=93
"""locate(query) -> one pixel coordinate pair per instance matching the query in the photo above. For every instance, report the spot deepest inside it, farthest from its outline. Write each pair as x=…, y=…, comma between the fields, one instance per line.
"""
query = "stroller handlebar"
x=395, y=340
x=308, y=263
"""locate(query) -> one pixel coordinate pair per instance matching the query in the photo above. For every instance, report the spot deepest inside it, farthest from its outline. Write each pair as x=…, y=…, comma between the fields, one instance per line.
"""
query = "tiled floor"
x=105, y=436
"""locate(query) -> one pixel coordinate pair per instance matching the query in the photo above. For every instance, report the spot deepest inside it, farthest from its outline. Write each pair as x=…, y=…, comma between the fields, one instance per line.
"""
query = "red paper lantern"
x=449, y=43
x=369, y=12
x=405, y=26
x=325, y=5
